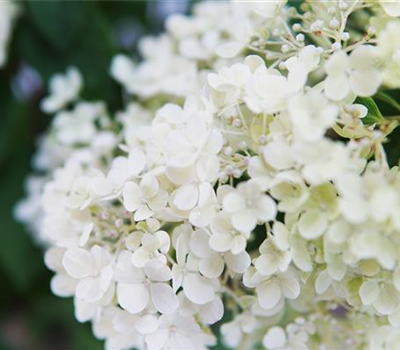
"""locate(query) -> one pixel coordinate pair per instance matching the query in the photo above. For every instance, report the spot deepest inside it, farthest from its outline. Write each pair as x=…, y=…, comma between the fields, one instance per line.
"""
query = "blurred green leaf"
x=374, y=114
x=57, y=21
x=388, y=100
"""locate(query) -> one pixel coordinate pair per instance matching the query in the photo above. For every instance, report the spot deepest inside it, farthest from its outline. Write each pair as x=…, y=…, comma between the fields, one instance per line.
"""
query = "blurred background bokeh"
x=49, y=37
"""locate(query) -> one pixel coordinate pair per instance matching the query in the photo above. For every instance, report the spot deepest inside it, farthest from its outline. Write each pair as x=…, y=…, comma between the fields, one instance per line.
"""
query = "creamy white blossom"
x=247, y=175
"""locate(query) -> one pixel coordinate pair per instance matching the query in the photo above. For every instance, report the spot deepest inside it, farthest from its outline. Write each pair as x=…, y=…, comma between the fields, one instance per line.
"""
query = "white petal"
x=198, y=289
x=387, y=301
x=140, y=257
x=158, y=271
x=78, y=263
x=149, y=186
x=136, y=161
x=212, y=312
x=313, y=224
x=275, y=338
x=186, y=197
x=238, y=263
x=212, y=266
x=89, y=289
x=322, y=282
x=267, y=264
x=142, y=213
x=337, y=88
x=396, y=278
x=132, y=297
x=392, y=8
x=301, y=256
x=147, y=324
x=230, y=49
x=365, y=82
x=84, y=311
x=265, y=208
x=132, y=196
x=239, y=245
x=337, y=64
x=199, y=244
x=279, y=155
x=245, y=220
x=63, y=285
x=158, y=339
x=290, y=287
x=221, y=242
x=233, y=202
x=369, y=292
x=164, y=298
x=269, y=293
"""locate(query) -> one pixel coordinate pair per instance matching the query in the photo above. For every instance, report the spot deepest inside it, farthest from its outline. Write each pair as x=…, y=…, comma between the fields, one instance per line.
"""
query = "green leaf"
x=389, y=100
x=374, y=115
x=57, y=21
x=19, y=259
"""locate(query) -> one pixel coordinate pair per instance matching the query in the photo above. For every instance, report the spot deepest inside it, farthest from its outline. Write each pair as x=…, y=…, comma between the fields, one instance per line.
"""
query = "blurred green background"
x=49, y=37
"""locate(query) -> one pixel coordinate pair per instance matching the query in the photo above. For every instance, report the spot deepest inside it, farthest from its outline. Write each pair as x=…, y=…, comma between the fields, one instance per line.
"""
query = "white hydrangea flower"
x=92, y=269
x=225, y=237
x=63, y=90
x=136, y=288
x=247, y=205
x=78, y=126
x=354, y=73
x=246, y=185
x=312, y=115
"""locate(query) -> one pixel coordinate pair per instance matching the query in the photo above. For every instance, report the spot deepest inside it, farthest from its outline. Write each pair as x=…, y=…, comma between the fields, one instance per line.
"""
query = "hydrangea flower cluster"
x=245, y=182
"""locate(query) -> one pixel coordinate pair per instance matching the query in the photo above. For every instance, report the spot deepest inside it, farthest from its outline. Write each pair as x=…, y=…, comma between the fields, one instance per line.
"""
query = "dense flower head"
x=259, y=196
